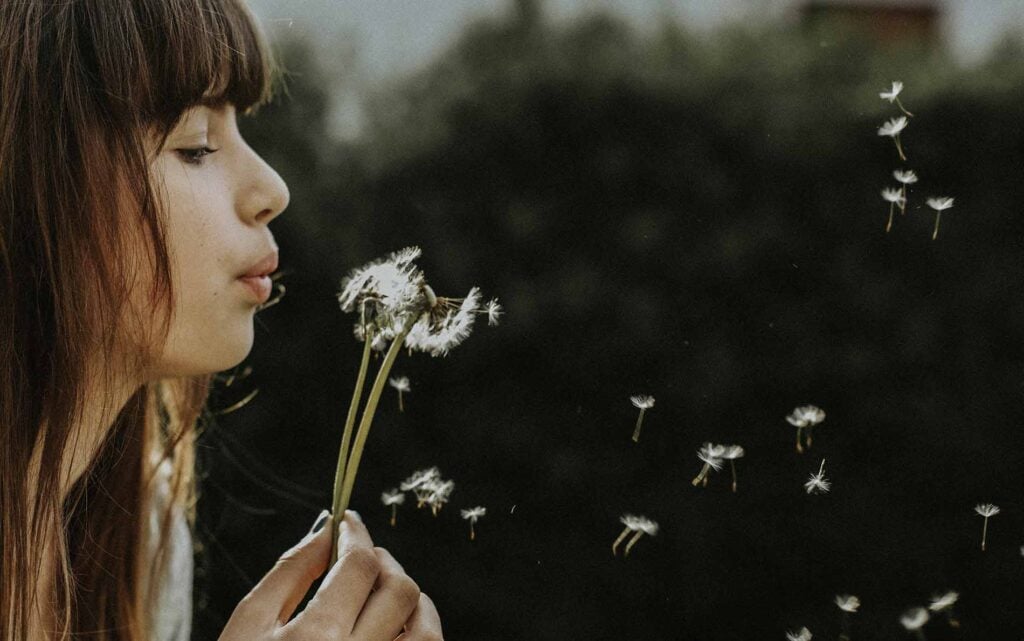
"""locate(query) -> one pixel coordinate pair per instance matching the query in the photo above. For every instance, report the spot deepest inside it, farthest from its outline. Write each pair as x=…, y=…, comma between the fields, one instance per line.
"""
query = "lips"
x=257, y=280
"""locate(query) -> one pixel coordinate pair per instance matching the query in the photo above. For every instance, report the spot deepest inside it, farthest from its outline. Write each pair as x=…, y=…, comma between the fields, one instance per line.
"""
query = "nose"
x=264, y=194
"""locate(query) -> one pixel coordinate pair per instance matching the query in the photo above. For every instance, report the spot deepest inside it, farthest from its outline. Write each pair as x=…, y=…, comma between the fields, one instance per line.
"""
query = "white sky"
x=390, y=37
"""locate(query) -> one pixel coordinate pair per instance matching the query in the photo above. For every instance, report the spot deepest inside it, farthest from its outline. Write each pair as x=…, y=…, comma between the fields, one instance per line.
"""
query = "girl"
x=134, y=251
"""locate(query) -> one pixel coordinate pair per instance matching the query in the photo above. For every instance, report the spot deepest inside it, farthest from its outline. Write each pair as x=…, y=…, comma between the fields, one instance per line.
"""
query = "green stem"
x=346, y=437
x=368, y=412
x=639, y=422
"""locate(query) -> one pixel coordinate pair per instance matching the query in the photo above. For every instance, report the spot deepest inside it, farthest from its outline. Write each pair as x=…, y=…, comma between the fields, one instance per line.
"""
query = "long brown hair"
x=83, y=85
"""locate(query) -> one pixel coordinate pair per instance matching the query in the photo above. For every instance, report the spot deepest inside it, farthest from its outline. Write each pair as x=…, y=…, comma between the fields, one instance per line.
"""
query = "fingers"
x=388, y=608
x=282, y=588
x=345, y=588
x=424, y=624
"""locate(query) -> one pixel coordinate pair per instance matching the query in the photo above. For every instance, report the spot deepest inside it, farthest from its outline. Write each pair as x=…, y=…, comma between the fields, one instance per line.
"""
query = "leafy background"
x=697, y=218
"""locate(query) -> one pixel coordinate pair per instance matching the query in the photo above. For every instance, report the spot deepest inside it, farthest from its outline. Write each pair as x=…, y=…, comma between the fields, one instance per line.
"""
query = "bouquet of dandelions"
x=396, y=307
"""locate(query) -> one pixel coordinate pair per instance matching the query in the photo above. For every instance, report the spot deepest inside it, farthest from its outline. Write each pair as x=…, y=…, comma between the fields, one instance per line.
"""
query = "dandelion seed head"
x=803, y=634
x=806, y=416
x=392, y=497
x=474, y=513
x=941, y=203
x=847, y=602
x=817, y=483
x=642, y=401
x=893, y=126
x=494, y=312
x=733, y=452
x=914, y=618
x=891, y=195
x=386, y=288
x=944, y=601
x=907, y=177
x=400, y=383
x=446, y=325
x=639, y=524
x=986, y=509
x=890, y=95
x=420, y=477
x=711, y=454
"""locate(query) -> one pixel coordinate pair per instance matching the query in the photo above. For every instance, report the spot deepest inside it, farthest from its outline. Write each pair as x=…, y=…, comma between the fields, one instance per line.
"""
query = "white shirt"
x=171, y=619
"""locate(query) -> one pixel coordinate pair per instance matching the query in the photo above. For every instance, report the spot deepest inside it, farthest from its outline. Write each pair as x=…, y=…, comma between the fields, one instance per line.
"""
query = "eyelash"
x=193, y=157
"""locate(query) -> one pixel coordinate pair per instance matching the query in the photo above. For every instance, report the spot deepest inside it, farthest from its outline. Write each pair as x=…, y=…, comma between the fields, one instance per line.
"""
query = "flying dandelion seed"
x=643, y=403
x=913, y=620
x=732, y=453
x=639, y=525
x=494, y=312
x=894, y=197
x=711, y=455
x=420, y=478
x=904, y=177
x=817, y=483
x=944, y=603
x=434, y=493
x=805, y=417
x=985, y=510
x=848, y=604
x=892, y=128
x=393, y=498
x=893, y=95
x=803, y=634
x=402, y=385
x=939, y=205
x=472, y=515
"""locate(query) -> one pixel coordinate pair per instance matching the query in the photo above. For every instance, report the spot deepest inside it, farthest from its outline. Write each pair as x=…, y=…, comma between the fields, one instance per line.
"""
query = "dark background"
x=694, y=218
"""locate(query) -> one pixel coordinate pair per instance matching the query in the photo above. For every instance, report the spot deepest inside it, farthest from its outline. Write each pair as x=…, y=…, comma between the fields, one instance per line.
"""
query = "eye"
x=194, y=156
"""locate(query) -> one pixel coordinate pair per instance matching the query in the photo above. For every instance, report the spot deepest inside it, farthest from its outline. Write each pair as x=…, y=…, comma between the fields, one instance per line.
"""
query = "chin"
x=210, y=357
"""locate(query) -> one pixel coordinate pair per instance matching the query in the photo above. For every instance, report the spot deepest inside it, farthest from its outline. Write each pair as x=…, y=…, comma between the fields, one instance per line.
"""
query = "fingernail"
x=320, y=522
x=356, y=515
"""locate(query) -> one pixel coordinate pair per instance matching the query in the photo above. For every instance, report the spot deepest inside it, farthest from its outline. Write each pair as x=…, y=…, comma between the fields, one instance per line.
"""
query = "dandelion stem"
x=899, y=147
x=371, y=407
x=888, y=225
x=902, y=108
x=984, y=534
x=639, y=422
x=394, y=514
x=472, y=532
x=619, y=540
x=845, y=635
x=732, y=464
x=903, y=199
x=809, y=436
x=799, y=447
x=632, y=541
x=953, y=623
x=401, y=408
x=935, y=233
x=346, y=437
x=703, y=474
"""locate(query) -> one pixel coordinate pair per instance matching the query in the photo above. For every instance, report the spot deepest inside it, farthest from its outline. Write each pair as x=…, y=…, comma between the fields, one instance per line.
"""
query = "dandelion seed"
x=944, y=603
x=894, y=197
x=803, y=634
x=985, y=510
x=420, y=478
x=639, y=525
x=848, y=604
x=402, y=385
x=434, y=493
x=939, y=205
x=892, y=128
x=913, y=620
x=817, y=483
x=711, y=455
x=472, y=515
x=732, y=453
x=805, y=417
x=904, y=177
x=643, y=403
x=494, y=312
x=393, y=498
x=893, y=96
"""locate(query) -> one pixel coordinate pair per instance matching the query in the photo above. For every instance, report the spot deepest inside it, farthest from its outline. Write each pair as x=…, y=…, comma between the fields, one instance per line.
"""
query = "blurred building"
x=904, y=21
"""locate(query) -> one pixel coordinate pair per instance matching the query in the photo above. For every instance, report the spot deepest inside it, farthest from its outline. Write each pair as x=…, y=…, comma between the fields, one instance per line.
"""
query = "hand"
x=366, y=596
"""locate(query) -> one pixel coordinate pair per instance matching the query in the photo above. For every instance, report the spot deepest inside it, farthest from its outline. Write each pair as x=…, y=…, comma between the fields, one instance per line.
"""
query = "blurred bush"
x=697, y=218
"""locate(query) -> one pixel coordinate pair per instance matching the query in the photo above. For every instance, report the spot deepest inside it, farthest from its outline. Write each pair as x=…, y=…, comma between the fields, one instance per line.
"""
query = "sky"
x=381, y=38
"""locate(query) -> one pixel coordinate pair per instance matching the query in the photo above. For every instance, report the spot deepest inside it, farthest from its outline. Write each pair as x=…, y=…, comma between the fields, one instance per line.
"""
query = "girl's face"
x=219, y=196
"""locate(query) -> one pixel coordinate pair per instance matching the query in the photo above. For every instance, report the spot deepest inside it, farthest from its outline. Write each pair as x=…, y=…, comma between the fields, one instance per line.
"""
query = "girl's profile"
x=135, y=250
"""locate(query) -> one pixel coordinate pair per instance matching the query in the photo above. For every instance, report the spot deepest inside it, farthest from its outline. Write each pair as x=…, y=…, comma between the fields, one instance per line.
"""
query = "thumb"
x=281, y=590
